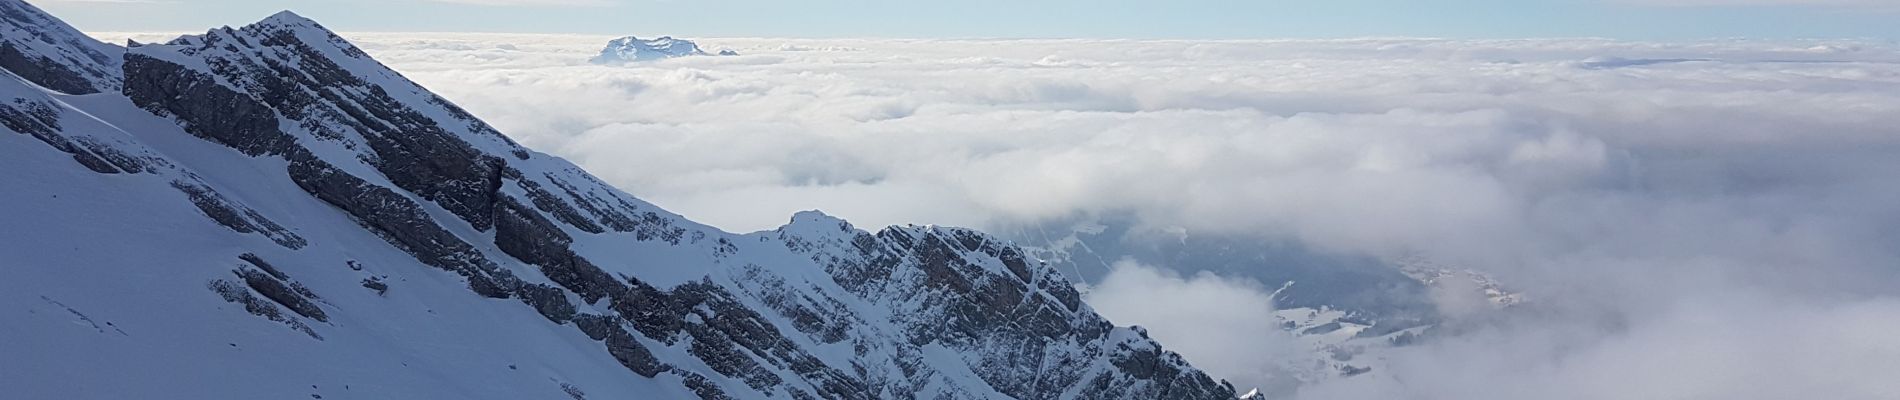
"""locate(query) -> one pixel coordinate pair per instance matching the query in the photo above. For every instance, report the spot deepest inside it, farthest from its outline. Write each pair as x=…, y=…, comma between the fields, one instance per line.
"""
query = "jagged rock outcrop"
x=283, y=141
x=40, y=119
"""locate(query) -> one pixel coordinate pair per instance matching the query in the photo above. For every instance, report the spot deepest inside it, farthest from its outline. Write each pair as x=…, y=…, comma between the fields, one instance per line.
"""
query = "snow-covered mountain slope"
x=632, y=49
x=268, y=212
x=47, y=52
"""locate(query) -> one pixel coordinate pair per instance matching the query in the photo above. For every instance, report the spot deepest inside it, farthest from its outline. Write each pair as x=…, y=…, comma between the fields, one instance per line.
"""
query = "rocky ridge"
x=310, y=186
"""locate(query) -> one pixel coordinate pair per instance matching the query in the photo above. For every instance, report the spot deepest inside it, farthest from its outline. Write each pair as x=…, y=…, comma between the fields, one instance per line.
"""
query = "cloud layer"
x=1238, y=339
x=1692, y=218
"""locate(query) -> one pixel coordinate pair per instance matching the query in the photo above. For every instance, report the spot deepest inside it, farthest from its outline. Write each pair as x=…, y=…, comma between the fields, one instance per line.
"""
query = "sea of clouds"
x=1716, y=219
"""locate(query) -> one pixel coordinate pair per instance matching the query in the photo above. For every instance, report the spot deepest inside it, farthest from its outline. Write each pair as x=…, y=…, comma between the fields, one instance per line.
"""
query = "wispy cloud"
x=1240, y=341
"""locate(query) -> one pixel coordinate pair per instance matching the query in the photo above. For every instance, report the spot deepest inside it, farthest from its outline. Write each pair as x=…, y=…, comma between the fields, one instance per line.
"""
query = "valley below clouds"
x=1712, y=219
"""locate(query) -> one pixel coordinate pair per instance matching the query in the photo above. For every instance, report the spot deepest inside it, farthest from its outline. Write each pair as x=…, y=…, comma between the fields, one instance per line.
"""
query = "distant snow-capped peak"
x=633, y=49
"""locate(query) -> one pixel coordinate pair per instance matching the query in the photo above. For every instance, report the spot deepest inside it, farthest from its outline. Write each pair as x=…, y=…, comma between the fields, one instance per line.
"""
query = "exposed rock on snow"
x=47, y=52
x=281, y=141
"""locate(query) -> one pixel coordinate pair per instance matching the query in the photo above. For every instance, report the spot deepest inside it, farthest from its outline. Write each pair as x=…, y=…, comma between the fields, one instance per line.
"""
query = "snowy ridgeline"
x=632, y=49
x=268, y=212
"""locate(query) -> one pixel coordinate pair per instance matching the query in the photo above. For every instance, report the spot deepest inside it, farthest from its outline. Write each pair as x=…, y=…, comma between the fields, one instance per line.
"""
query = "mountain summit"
x=268, y=212
x=632, y=49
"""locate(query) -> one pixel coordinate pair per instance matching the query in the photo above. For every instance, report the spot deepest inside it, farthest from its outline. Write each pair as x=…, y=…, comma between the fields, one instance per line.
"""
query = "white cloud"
x=1700, y=348
x=1239, y=341
x=1693, y=219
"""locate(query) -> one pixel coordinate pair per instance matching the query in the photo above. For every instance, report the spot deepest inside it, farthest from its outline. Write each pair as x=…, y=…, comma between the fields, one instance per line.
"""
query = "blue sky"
x=1625, y=19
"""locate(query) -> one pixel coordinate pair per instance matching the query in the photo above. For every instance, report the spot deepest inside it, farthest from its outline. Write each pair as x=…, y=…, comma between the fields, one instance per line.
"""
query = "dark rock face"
x=402, y=222
x=528, y=236
x=702, y=386
x=278, y=291
x=729, y=337
x=259, y=262
x=553, y=205
x=40, y=120
x=237, y=217
x=43, y=71
x=207, y=109
x=377, y=285
x=617, y=218
x=574, y=392
x=277, y=286
x=825, y=319
x=1018, y=326
x=1144, y=363
x=620, y=344
x=551, y=302
x=240, y=294
x=284, y=77
x=632, y=354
